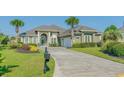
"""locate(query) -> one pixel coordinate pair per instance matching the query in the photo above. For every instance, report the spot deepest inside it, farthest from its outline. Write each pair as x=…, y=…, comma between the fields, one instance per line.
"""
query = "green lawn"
x=26, y=65
x=97, y=52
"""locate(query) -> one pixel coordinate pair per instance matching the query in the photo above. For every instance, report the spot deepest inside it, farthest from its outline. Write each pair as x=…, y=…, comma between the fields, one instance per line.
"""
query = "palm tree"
x=112, y=34
x=72, y=21
x=17, y=23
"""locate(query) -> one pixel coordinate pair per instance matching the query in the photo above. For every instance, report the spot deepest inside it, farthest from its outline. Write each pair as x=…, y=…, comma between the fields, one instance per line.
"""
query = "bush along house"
x=52, y=35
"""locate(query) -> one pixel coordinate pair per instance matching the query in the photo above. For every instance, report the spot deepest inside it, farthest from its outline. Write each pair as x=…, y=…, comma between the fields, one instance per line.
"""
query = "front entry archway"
x=43, y=39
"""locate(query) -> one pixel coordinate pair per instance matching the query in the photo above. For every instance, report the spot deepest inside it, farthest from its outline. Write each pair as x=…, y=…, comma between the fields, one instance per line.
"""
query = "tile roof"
x=45, y=28
x=79, y=28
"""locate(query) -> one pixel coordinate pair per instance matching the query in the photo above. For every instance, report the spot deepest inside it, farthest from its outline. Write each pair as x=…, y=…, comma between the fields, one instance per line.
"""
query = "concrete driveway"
x=75, y=64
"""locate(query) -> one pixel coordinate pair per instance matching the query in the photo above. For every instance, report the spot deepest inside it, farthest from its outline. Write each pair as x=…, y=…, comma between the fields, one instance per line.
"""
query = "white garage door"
x=67, y=42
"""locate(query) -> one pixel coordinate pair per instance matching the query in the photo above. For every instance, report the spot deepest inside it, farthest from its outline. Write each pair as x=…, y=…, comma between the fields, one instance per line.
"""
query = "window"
x=50, y=33
x=88, y=38
x=53, y=40
x=26, y=40
x=30, y=39
x=77, y=37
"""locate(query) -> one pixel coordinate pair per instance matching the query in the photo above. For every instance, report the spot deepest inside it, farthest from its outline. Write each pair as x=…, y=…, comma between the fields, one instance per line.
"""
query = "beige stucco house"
x=51, y=34
x=42, y=35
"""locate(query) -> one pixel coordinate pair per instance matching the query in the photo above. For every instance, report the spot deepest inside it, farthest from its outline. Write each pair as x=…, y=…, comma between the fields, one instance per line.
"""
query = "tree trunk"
x=72, y=35
x=17, y=34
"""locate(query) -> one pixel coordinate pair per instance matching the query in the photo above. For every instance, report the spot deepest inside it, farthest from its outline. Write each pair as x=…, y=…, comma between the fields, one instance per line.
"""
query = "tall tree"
x=17, y=24
x=112, y=33
x=72, y=22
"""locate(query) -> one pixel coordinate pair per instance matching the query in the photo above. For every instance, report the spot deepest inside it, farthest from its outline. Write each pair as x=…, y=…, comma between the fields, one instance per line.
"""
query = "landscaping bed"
x=25, y=51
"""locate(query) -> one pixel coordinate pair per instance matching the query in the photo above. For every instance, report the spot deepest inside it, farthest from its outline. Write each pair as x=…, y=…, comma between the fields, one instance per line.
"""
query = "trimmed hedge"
x=83, y=45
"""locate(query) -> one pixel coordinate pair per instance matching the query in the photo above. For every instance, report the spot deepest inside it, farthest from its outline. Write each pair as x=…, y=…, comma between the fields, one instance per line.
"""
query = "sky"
x=97, y=22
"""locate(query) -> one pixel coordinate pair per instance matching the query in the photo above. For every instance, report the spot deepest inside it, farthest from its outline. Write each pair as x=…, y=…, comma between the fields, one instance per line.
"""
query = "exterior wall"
x=83, y=38
x=53, y=38
x=27, y=40
x=97, y=38
x=62, y=42
x=77, y=39
x=88, y=38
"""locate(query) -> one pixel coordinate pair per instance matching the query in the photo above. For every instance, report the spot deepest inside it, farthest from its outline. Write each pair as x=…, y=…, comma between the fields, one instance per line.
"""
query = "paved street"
x=75, y=64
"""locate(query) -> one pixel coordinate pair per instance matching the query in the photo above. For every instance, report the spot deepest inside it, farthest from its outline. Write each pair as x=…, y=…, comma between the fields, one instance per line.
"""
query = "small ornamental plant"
x=28, y=48
x=33, y=48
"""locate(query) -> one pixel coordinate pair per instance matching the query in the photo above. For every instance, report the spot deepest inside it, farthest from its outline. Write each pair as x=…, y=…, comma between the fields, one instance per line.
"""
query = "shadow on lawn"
x=6, y=69
x=2, y=48
x=110, y=54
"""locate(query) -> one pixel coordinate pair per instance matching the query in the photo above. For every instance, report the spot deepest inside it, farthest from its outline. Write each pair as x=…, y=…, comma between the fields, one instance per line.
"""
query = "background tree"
x=3, y=39
x=111, y=33
x=17, y=23
x=72, y=22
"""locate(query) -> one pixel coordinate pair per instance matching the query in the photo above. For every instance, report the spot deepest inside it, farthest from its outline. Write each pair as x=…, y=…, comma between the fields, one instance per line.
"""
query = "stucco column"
x=48, y=39
x=21, y=39
x=28, y=40
x=93, y=39
x=38, y=39
x=82, y=37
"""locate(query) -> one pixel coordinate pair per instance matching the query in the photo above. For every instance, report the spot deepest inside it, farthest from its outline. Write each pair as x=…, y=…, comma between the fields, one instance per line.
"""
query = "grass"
x=50, y=64
x=26, y=65
x=97, y=52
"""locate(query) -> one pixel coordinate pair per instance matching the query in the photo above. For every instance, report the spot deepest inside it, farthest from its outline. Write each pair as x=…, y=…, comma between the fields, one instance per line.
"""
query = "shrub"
x=13, y=46
x=33, y=44
x=4, y=69
x=25, y=47
x=83, y=45
x=53, y=45
x=20, y=44
x=99, y=44
x=76, y=45
x=110, y=46
x=118, y=50
x=33, y=48
x=114, y=48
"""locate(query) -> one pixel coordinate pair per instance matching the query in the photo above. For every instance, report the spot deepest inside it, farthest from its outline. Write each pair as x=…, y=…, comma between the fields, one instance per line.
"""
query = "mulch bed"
x=25, y=51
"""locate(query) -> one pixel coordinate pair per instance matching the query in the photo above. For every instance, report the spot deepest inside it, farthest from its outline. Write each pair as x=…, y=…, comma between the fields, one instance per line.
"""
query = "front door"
x=43, y=40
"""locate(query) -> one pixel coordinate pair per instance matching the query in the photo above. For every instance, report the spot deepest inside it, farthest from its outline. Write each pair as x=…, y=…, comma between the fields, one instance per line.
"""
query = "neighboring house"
x=51, y=34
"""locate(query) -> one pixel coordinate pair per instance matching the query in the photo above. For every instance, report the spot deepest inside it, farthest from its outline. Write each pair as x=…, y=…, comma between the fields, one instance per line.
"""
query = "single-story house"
x=42, y=35
x=51, y=34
